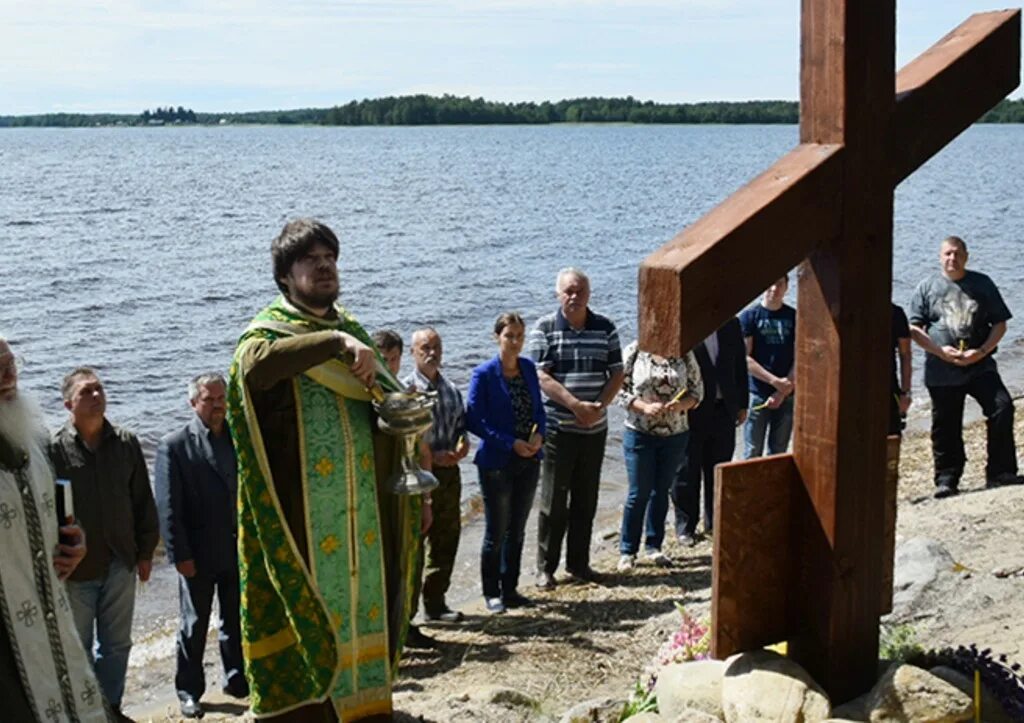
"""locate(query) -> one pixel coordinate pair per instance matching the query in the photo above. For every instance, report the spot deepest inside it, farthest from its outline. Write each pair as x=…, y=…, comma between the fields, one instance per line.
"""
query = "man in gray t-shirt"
x=958, y=317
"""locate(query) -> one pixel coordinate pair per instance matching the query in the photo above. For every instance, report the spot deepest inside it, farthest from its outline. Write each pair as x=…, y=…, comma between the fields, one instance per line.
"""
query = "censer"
x=406, y=415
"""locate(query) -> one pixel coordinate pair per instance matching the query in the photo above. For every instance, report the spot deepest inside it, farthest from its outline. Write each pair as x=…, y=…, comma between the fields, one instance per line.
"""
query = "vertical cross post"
x=842, y=332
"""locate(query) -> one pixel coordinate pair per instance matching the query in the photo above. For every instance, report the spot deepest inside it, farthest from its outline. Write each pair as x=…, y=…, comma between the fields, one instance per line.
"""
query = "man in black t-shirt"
x=958, y=317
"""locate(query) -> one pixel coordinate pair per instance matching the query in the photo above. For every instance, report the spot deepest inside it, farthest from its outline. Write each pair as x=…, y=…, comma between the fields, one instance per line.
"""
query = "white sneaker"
x=626, y=563
x=659, y=558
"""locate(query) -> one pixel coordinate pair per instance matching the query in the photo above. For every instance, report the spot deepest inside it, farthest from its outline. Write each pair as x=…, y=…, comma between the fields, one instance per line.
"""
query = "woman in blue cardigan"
x=504, y=409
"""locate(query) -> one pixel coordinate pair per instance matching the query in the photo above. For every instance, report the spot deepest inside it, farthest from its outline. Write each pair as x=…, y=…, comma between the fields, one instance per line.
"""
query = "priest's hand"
x=364, y=362
x=145, y=567
x=426, y=515
x=70, y=551
x=186, y=568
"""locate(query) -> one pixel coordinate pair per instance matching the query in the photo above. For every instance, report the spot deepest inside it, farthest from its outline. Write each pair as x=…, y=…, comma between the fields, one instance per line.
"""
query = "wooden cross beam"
x=802, y=541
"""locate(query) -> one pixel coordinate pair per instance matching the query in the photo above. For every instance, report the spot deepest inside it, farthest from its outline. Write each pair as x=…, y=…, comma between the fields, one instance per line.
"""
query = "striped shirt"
x=580, y=360
x=449, y=412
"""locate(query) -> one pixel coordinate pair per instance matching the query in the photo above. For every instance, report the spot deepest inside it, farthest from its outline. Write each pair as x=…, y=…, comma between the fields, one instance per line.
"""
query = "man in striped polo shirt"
x=579, y=362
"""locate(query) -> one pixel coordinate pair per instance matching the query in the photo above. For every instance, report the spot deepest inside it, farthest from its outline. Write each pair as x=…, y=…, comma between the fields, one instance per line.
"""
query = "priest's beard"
x=21, y=423
x=312, y=301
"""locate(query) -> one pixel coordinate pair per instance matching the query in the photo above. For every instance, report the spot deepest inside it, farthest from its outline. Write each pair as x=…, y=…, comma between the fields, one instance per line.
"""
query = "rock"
x=498, y=695
x=598, y=710
x=692, y=715
x=646, y=718
x=764, y=686
x=696, y=684
x=909, y=694
x=991, y=709
x=920, y=565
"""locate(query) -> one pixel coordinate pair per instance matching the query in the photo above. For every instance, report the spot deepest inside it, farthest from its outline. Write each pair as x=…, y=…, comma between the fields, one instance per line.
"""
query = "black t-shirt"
x=900, y=330
x=958, y=314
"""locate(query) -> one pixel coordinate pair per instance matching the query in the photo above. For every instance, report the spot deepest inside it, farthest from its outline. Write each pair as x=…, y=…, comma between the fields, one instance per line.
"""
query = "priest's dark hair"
x=295, y=241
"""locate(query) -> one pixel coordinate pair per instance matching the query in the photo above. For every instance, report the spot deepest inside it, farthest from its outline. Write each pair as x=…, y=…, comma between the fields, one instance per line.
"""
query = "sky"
x=232, y=55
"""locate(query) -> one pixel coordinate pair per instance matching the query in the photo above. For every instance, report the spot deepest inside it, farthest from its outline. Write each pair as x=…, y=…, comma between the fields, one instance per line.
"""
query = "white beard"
x=22, y=424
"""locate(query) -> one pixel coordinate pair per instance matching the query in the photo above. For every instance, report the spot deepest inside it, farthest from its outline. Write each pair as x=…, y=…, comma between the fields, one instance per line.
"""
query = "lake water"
x=144, y=252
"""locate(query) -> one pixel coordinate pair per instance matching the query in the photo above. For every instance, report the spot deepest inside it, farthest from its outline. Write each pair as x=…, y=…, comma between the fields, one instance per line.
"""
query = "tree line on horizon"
x=416, y=110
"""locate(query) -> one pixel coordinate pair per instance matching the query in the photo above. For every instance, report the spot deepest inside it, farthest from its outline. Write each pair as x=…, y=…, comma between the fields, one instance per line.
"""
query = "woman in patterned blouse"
x=504, y=409
x=656, y=393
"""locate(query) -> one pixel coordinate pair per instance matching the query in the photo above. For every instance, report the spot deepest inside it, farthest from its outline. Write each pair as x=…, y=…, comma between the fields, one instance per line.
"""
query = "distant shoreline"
x=448, y=110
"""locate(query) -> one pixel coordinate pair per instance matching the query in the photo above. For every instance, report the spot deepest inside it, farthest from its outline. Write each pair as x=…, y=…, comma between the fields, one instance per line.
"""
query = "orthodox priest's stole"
x=315, y=632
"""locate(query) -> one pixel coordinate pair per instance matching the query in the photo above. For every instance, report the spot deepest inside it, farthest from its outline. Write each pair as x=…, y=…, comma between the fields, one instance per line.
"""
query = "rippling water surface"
x=144, y=252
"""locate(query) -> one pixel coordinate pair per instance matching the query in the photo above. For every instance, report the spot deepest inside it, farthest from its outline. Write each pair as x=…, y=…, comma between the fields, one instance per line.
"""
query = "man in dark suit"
x=722, y=358
x=196, y=486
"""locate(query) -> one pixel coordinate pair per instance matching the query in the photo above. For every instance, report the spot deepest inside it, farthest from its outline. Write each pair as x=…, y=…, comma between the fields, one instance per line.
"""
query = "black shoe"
x=515, y=600
x=587, y=574
x=236, y=687
x=1003, y=480
x=444, y=615
x=190, y=707
x=945, y=489
x=418, y=639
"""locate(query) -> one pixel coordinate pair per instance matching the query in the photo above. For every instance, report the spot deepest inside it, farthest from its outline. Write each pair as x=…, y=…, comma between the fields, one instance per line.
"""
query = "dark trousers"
x=712, y=441
x=196, y=600
x=570, y=475
x=508, y=496
x=948, y=421
x=442, y=539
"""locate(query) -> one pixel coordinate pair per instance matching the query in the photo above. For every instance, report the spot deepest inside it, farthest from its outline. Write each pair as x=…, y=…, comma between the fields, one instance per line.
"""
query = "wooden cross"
x=802, y=541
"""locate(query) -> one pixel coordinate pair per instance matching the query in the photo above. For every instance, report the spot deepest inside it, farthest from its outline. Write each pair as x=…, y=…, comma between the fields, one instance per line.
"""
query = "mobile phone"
x=65, y=504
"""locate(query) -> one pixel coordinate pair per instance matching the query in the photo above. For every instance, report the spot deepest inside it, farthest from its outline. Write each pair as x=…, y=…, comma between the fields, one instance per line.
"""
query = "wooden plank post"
x=842, y=335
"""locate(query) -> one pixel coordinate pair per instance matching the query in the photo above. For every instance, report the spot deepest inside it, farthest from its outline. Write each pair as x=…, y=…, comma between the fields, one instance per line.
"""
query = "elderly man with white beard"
x=44, y=673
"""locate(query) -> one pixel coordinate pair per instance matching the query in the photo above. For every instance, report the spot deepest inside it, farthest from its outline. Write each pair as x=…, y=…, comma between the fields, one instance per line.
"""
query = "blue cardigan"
x=489, y=413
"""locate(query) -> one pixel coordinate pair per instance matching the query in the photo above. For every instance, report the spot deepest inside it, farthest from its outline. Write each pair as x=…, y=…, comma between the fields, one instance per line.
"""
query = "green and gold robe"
x=318, y=559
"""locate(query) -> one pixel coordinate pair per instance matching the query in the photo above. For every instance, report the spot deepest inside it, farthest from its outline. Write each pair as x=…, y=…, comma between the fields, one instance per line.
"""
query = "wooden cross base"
x=773, y=563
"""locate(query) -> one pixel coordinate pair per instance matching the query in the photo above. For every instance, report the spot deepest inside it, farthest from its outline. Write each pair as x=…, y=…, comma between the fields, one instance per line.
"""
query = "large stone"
x=922, y=568
x=647, y=718
x=907, y=694
x=764, y=686
x=598, y=710
x=991, y=709
x=696, y=684
x=692, y=715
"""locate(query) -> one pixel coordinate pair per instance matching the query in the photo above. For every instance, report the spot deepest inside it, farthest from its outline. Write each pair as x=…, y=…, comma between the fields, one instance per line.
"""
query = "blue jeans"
x=107, y=603
x=652, y=465
x=508, y=496
x=776, y=424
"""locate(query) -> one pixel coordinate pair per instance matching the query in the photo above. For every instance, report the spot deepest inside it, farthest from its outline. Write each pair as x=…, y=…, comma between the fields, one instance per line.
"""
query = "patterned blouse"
x=522, y=405
x=656, y=379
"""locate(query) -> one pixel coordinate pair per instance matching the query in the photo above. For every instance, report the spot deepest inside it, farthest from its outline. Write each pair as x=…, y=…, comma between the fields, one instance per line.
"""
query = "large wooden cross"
x=802, y=542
